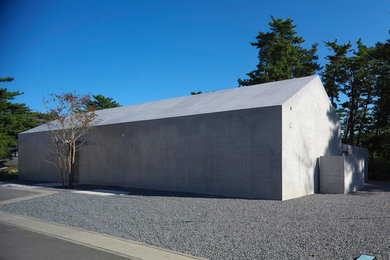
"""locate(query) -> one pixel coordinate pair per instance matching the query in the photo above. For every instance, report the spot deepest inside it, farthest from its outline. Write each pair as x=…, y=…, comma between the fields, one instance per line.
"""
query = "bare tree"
x=68, y=123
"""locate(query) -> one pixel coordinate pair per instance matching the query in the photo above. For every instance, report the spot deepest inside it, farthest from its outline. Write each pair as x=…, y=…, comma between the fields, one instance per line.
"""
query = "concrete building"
x=262, y=141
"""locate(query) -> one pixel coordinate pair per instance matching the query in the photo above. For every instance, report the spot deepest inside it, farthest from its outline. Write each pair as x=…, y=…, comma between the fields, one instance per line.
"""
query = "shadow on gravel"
x=152, y=193
x=131, y=191
x=376, y=186
x=361, y=194
x=371, y=188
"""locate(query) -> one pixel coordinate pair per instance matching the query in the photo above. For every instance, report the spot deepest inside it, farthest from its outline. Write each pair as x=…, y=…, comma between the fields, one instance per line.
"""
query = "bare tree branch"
x=68, y=124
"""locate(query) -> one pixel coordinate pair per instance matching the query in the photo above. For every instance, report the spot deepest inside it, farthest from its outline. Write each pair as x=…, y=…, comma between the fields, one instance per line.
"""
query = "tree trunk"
x=352, y=126
x=352, y=110
x=345, y=138
x=363, y=120
x=69, y=162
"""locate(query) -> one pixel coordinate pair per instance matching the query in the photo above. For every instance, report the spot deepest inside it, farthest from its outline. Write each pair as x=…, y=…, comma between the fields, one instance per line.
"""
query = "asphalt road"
x=17, y=243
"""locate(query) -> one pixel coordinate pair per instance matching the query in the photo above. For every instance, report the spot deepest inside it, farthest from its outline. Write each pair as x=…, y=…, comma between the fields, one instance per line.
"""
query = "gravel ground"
x=312, y=227
x=8, y=193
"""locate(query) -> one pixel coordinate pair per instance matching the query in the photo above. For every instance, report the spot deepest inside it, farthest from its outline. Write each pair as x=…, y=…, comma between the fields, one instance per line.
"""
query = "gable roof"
x=255, y=96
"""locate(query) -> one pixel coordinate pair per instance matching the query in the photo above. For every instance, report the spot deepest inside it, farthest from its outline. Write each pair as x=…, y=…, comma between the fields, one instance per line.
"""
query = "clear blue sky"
x=140, y=51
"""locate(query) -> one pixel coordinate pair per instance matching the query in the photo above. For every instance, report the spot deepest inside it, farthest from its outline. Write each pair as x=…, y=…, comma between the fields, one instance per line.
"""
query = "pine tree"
x=101, y=102
x=335, y=75
x=382, y=90
x=14, y=118
x=379, y=142
x=281, y=55
x=353, y=77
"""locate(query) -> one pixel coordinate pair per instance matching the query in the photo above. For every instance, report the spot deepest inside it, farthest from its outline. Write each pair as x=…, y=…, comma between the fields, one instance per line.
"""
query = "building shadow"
x=377, y=186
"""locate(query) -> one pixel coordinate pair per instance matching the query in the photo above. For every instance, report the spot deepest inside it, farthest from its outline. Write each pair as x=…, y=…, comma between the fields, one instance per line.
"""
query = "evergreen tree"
x=281, y=55
x=194, y=93
x=353, y=77
x=382, y=90
x=6, y=79
x=101, y=102
x=358, y=85
x=14, y=118
x=334, y=75
x=379, y=140
x=365, y=76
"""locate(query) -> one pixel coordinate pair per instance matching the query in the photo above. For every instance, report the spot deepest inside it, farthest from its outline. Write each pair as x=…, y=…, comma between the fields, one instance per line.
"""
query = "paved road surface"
x=16, y=243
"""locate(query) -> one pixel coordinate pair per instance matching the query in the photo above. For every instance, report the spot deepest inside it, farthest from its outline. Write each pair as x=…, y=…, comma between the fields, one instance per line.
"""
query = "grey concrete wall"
x=34, y=153
x=332, y=174
x=236, y=153
x=310, y=129
x=354, y=173
x=341, y=174
x=361, y=154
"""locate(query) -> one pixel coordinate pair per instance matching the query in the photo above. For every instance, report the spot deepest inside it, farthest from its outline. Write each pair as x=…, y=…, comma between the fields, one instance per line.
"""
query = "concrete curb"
x=118, y=246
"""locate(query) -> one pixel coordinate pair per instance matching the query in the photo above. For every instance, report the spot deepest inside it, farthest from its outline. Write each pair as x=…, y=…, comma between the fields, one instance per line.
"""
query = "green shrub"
x=9, y=174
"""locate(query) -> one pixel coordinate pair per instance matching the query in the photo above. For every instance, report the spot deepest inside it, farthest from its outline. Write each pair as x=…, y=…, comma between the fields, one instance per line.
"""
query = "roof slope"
x=255, y=96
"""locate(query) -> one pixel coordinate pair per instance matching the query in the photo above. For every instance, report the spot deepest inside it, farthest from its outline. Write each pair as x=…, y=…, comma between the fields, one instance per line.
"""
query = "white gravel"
x=312, y=227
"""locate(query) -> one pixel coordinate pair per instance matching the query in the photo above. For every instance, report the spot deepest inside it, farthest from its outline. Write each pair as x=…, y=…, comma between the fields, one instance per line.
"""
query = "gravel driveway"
x=312, y=227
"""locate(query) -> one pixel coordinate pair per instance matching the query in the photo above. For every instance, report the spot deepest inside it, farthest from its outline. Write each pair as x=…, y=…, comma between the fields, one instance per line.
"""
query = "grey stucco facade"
x=261, y=141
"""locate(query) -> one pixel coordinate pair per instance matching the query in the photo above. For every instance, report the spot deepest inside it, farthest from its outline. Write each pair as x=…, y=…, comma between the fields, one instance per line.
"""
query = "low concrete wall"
x=341, y=174
x=361, y=154
x=331, y=174
x=354, y=174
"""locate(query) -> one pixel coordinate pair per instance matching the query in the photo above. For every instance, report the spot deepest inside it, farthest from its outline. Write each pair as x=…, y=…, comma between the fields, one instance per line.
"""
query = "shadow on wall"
x=306, y=160
x=353, y=158
x=336, y=134
x=309, y=153
x=333, y=145
x=355, y=164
